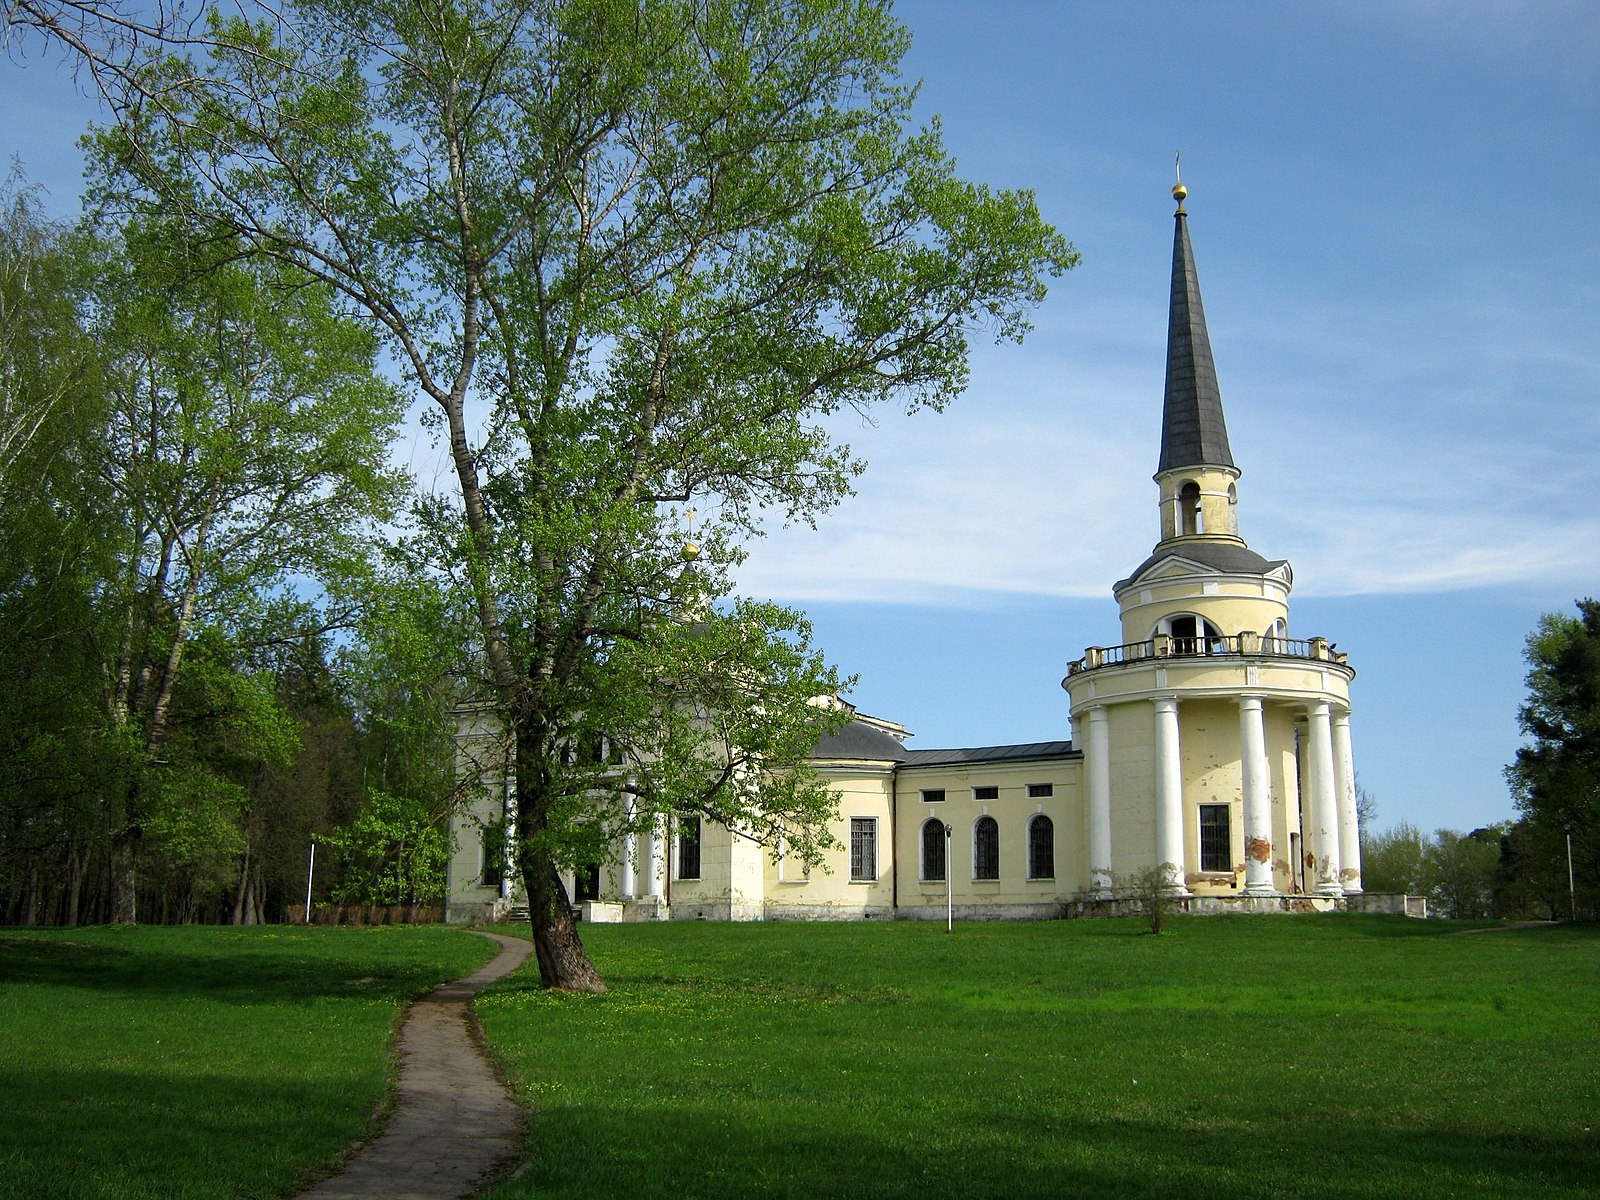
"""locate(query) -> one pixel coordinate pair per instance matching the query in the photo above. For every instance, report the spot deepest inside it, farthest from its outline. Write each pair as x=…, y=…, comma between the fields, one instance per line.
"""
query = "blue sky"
x=1390, y=205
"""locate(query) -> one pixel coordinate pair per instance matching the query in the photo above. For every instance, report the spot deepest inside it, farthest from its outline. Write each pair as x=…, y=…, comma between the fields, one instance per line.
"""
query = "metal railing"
x=1252, y=645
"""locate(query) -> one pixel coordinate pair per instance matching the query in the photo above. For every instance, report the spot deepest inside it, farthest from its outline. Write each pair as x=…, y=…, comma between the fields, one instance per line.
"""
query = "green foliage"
x=1461, y=869
x=1461, y=874
x=210, y=436
x=394, y=852
x=45, y=362
x=1062, y=1058
x=190, y=1064
x=633, y=257
x=1556, y=777
x=401, y=675
x=1395, y=861
x=1152, y=889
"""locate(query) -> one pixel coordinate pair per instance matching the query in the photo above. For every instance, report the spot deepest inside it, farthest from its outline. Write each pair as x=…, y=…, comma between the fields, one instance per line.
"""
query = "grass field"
x=1338, y=1056
x=199, y=1062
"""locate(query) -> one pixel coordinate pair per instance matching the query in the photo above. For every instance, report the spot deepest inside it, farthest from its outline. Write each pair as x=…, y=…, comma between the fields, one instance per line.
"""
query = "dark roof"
x=863, y=741
x=986, y=754
x=1193, y=432
x=1219, y=556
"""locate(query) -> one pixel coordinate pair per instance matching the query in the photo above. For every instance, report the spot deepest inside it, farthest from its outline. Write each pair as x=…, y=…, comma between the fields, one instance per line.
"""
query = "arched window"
x=933, y=840
x=1191, y=518
x=1041, y=848
x=986, y=849
x=1193, y=635
x=1233, y=509
x=1277, y=637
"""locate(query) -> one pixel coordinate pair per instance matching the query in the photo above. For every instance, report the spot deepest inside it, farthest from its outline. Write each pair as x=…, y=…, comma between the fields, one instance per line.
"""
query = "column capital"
x=1165, y=703
x=1317, y=708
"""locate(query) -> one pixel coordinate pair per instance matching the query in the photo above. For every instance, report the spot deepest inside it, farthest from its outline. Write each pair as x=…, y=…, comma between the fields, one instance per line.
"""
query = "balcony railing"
x=1250, y=645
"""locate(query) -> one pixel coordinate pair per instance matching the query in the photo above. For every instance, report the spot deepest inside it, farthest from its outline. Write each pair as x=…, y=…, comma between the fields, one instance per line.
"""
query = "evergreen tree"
x=1556, y=777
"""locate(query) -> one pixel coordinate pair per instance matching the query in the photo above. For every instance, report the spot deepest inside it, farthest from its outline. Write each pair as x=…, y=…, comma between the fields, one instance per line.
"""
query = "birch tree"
x=242, y=455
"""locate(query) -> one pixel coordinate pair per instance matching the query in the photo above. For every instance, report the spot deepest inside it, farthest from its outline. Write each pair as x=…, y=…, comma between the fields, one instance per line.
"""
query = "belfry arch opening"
x=1191, y=517
x=1192, y=634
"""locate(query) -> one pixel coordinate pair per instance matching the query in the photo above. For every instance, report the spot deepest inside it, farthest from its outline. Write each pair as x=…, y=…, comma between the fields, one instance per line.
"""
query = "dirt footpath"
x=454, y=1122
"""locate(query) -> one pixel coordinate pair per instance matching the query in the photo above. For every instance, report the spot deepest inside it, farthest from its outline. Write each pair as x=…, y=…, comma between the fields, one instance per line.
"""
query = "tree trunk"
x=238, y=892
x=258, y=896
x=563, y=962
x=30, y=904
x=124, y=901
x=76, y=869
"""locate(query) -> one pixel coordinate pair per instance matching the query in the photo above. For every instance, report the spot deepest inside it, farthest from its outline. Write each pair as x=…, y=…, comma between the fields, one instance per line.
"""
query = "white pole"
x=949, y=883
x=310, y=866
x=1572, y=886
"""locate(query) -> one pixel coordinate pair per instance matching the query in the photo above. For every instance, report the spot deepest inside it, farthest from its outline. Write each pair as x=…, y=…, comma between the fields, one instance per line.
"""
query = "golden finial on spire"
x=690, y=549
x=1179, y=191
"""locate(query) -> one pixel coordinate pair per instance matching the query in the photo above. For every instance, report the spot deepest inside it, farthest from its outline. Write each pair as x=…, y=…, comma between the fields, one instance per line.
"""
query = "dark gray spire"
x=1193, y=432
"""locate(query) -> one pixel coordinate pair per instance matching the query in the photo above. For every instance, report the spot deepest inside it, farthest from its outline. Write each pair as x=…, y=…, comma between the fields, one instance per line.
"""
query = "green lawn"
x=200, y=1062
x=1322, y=1056
x=1338, y=1056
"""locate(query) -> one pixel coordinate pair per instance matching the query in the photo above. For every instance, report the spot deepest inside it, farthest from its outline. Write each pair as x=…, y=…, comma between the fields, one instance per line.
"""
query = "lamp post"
x=949, y=883
x=310, y=867
x=1572, y=881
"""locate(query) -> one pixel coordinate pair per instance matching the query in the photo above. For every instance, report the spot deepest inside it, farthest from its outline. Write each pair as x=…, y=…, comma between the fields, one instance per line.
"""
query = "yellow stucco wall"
x=1012, y=811
x=865, y=791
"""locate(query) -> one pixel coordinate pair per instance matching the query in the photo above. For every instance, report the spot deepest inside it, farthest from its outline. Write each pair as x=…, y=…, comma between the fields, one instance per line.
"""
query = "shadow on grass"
x=596, y=1153
x=161, y=1132
x=254, y=965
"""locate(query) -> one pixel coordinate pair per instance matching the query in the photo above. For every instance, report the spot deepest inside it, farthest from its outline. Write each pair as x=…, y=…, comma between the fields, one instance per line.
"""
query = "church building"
x=1210, y=746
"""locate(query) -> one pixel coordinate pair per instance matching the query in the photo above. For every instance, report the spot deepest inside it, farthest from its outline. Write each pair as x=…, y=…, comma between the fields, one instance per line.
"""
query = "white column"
x=652, y=860
x=1324, y=805
x=628, y=883
x=1099, y=813
x=1169, y=794
x=1349, y=827
x=1257, y=808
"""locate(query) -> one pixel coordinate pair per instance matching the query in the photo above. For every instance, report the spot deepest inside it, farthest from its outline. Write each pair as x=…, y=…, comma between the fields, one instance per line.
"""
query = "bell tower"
x=1198, y=484
x=1197, y=473
x=1216, y=747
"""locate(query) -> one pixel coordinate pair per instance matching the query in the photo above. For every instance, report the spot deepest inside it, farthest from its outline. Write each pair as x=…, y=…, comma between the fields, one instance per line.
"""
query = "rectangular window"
x=986, y=793
x=1216, y=849
x=1039, y=790
x=689, y=848
x=932, y=795
x=493, y=871
x=863, y=848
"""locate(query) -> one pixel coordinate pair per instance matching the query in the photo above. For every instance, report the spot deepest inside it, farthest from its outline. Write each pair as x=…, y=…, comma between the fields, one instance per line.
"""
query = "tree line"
x=1545, y=864
x=201, y=670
